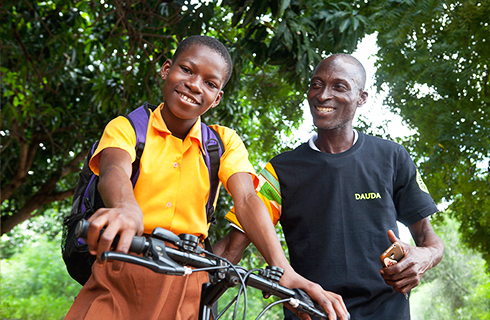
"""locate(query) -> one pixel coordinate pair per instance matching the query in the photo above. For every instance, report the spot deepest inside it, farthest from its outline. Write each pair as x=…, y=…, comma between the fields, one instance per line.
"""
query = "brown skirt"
x=135, y=292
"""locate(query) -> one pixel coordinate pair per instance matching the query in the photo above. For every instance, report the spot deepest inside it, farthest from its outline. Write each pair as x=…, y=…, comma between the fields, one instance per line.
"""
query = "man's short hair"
x=211, y=43
x=356, y=62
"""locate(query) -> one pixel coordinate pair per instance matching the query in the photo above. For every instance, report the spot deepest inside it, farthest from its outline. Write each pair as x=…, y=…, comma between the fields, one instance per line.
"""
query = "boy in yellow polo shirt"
x=171, y=192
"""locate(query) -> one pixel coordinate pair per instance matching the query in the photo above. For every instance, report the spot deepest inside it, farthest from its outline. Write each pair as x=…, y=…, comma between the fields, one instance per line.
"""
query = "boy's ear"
x=165, y=68
x=217, y=100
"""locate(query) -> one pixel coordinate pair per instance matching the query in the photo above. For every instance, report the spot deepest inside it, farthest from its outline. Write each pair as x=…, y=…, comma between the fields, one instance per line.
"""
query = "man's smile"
x=324, y=109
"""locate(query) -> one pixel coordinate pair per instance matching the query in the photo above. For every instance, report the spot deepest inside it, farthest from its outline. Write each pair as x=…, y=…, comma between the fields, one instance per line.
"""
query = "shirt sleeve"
x=235, y=158
x=411, y=196
x=117, y=134
x=269, y=192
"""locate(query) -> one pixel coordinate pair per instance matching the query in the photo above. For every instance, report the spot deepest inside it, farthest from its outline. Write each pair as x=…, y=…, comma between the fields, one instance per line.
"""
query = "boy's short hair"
x=211, y=43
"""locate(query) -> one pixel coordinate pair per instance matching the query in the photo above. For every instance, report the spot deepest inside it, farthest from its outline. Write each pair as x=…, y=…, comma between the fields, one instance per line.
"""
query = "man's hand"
x=406, y=274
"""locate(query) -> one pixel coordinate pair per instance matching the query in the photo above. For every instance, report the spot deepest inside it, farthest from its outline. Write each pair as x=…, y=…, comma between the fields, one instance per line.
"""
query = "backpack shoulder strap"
x=139, y=121
x=214, y=147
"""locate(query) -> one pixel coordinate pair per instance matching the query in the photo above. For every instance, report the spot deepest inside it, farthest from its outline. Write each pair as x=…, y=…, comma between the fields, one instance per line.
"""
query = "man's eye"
x=185, y=69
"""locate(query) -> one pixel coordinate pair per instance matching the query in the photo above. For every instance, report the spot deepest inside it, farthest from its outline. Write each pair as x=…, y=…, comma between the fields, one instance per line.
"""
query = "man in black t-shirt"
x=339, y=196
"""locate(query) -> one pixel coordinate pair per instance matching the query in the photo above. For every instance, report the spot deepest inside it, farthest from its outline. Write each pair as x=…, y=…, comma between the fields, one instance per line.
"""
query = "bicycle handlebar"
x=160, y=258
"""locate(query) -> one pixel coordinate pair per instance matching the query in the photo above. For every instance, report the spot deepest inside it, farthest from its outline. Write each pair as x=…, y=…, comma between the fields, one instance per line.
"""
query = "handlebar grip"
x=138, y=244
x=81, y=229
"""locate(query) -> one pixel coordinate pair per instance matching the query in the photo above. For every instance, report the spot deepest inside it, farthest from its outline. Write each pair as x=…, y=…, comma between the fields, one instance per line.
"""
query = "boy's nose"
x=194, y=84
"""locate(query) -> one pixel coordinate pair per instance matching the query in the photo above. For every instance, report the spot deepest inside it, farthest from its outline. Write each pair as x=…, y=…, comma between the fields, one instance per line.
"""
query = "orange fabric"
x=173, y=185
x=136, y=292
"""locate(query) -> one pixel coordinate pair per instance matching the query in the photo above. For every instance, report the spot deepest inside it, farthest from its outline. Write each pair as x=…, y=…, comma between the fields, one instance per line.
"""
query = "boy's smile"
x=188, y=99
x=193, y=84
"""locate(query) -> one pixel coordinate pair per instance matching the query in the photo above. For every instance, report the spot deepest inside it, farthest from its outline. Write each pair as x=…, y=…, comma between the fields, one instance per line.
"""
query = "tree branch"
x=29, y=58
x=44, y=196
x=26, y=158
x=9, y=222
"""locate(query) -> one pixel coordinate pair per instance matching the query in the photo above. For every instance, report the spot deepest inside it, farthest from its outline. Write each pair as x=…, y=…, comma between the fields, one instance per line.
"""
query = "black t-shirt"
x=336, y=211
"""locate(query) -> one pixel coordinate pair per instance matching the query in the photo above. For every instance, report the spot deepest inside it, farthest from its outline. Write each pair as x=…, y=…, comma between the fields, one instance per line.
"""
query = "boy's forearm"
x=121, y=215
x=255, y=220
x=115, y=186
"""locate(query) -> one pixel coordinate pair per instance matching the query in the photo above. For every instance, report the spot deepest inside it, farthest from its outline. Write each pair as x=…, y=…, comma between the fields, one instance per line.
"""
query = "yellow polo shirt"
x=173, y=185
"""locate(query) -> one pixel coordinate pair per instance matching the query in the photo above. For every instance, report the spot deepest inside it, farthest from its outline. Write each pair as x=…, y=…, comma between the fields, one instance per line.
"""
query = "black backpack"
x=86, y=199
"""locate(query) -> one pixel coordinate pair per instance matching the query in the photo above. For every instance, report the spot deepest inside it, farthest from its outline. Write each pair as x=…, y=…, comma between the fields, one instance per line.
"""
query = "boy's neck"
x=178, y=127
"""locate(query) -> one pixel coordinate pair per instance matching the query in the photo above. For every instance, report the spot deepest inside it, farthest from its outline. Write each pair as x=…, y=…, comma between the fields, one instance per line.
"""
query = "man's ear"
x=362, y=98
x=165, y=68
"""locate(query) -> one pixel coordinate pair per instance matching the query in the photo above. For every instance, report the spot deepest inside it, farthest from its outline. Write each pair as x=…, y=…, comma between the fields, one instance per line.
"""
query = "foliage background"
x=35, y=284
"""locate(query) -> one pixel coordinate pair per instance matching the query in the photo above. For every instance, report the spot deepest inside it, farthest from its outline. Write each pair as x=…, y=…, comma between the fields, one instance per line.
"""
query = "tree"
x=68, y=67
x=46, y=290
x=434, y=61
x=458, y=288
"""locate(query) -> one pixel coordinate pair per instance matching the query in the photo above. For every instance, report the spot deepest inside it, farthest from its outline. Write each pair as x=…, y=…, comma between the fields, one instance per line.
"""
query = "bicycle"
x=160, y=258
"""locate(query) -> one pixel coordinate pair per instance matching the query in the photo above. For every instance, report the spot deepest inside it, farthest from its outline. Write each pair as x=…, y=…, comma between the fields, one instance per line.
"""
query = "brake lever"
x=166, y=235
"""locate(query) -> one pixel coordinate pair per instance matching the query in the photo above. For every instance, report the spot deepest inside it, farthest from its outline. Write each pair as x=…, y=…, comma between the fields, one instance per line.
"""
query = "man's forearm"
x=232, y=246
x=425, y=237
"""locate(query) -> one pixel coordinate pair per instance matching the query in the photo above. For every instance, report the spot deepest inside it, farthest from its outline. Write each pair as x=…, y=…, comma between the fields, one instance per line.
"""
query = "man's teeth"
x=186, y=98
x=324, y=109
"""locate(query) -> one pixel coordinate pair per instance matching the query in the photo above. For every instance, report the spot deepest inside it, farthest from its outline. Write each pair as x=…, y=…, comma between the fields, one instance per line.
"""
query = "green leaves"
x=434, y=60
x=69, y=67
x=457, y=287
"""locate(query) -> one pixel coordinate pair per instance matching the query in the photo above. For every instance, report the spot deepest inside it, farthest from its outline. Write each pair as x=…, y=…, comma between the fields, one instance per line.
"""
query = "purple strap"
x=208, y=139
x=139, y=118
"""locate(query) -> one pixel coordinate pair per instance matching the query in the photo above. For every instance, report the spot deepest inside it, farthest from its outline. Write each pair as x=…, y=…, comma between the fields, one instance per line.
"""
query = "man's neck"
x=332, y=141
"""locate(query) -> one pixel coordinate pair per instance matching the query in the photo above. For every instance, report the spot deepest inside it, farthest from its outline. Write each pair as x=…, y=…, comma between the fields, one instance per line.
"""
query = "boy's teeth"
x=186, y=98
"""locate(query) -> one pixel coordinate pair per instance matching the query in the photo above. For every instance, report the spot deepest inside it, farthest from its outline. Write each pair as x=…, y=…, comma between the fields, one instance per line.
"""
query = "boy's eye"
x=212, y=84
x=185, y=69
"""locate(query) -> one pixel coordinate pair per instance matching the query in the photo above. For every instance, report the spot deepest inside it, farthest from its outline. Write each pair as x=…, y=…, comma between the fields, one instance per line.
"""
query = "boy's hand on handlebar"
x=123, y=216
x=332, y=303
x=126, y=222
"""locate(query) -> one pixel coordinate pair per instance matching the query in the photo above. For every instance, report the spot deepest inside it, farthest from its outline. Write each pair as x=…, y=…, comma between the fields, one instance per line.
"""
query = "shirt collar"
x=160, y=125
x=314, y=136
